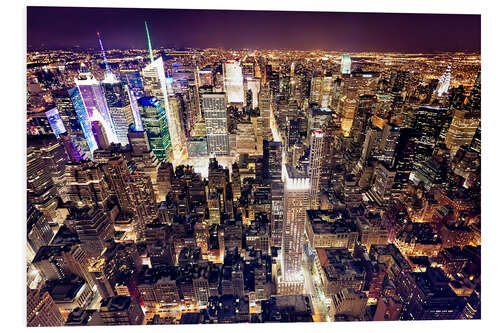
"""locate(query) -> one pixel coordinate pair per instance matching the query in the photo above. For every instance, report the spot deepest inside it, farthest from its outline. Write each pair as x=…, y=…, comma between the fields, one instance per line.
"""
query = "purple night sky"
x=63, y=27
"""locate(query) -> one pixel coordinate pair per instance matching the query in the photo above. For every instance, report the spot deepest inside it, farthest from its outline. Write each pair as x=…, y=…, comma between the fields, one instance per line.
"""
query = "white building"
x=233, y=82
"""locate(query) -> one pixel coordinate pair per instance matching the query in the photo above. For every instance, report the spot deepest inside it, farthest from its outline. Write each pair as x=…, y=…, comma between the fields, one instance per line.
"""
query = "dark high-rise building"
x=86, y=184
x=51, y=151
x=404, y=157
x=428, y=296
x=41, y=310
x=42, y=191
x=474, y=99
x=364, y=111
x=93, y=227
x=273, y=159
x=164, y=179
x=429, y=121
x=100, y=135
x=121, y=310
x=39, y=231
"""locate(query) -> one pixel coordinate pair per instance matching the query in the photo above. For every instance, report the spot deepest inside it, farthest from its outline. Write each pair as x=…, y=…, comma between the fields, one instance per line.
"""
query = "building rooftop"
x=65, y=291
x=330, y=222
x=339, y=264
x=80, y=317
x=116, y=303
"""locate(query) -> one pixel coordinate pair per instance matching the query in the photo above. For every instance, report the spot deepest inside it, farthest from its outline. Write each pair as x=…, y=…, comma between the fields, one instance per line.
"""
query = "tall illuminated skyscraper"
x=119, y=101
x=265, y=107
x=55, y=121
x=295, y=206
x=83, y=118
x=155, y=84
x=94, y=102
x=316, y=156
x=345, y=65
x=120, y=109
x=254, y=86
x=69, y=117
x=444, y=82
x=154, y=119
x=214, y=109
x=462, y=129
x=233, y=81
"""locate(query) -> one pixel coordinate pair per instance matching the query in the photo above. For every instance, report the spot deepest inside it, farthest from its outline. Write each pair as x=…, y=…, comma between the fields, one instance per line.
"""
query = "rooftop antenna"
x=108, y=71
x=149, y=43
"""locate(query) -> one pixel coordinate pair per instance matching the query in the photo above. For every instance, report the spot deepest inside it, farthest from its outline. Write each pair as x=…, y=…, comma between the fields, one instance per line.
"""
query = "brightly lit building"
x=155, y=124
x=233, y=82
x=155, y=84
x=117, y=96
x=68, y=115
x=314, y=170
x=94, y=101
x=83, y=118
x=55, y=121
x=462, y=129
x=295, y=206
x=444, y=82
x=121, y=102
x=345, y=65
x=254, y=86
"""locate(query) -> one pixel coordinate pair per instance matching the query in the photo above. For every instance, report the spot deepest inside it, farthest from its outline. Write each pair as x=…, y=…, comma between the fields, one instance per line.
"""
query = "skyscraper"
x=86, y=184
x=444, y=82
x=265, y=107
x=214, y=110
x=93, y=227
x=55, y=121
x=462, y=129
x=100, y=135
x=253, y=85
x=119, y=100
x=155, y=84
x=94, y=101
x=41, y=310
x=39, y=231
x=429, y=121
x=83, y=118
x=315, y=163
x=345, y=64
x=295, y=206
x=121, y=310
x=40, y=186
x=154, y=120
x=233, y=82
x=69, y=117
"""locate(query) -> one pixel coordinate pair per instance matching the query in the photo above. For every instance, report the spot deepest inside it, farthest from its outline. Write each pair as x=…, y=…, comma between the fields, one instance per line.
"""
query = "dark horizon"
x=123, y=28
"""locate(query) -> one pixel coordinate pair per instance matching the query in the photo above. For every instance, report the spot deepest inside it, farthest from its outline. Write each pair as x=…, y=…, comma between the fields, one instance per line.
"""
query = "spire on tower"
x=149, y=42
x=108, y=71
x=444, y=81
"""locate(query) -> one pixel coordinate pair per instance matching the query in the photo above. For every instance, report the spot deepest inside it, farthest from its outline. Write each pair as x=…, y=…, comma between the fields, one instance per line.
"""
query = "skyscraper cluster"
x=181, y=186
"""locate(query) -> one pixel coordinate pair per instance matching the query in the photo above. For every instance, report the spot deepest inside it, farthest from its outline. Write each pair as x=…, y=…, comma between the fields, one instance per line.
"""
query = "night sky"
x=63, y=27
